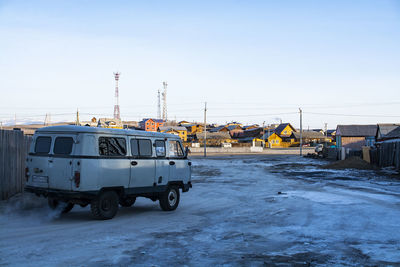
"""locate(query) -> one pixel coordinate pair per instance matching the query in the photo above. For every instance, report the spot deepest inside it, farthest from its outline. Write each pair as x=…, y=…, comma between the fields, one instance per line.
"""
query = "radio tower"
x=164, y=96
x=116, y=106
x=158, y=105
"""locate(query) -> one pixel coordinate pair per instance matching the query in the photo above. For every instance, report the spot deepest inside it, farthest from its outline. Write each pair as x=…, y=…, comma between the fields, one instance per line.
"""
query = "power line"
x=354, y=115
x=253, y=115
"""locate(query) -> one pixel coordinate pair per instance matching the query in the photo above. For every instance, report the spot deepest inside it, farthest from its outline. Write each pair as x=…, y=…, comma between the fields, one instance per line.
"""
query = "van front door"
x=142, y=163
x=178, y=166
x=60, y=164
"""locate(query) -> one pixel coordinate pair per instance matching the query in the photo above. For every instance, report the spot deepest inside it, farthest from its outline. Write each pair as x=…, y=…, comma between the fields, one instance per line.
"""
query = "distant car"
x=318, y=148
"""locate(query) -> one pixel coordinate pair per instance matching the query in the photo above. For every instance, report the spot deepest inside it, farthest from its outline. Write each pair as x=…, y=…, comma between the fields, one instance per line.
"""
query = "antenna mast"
x=164, y=95
x=116, y=105
x=158, y=105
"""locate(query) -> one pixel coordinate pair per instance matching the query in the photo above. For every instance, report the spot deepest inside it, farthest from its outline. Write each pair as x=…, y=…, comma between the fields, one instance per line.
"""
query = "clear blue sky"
x=252, y=61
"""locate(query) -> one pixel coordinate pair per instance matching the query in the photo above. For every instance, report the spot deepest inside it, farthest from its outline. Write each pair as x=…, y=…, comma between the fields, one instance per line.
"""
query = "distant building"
x=310, y=137
x=392, y=136
x=110, y=123
x=176, y=130
x=214, y=139
x=131, y=124
x=151, y=125
x=384, y=129
x=355, y=136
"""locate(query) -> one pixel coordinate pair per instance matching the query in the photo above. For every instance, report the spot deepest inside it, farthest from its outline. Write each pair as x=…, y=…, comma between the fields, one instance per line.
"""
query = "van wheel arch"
x=119, y=190
x=178, y=184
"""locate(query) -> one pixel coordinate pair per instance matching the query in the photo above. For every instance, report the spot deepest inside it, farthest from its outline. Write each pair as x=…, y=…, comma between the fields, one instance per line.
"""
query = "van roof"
x=98, y=130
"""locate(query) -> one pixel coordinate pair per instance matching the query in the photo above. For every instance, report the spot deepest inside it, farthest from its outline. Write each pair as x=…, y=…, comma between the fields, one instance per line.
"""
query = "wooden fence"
x=14, y=146
x=386, y=155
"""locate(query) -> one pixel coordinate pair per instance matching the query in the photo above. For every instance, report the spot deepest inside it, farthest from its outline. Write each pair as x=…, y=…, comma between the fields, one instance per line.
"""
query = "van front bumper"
x=60, y=194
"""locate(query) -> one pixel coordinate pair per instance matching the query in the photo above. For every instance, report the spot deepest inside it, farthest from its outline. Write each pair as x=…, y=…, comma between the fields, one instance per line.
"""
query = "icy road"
x=242, y=211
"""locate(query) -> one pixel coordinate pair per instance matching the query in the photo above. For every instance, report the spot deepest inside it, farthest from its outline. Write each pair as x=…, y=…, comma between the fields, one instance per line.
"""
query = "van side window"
x=43, y=144
x=63, y=145
x=134, y=147
x=145, y=149
x=160, y=148
x=175, y=149
x=112, y=146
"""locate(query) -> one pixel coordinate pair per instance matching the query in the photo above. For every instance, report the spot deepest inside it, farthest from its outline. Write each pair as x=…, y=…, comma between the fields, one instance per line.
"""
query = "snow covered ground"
x=242, y=210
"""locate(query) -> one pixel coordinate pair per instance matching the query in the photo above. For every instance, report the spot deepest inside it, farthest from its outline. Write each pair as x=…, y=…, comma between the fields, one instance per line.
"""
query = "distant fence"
x=386, y=155
x=14, y=146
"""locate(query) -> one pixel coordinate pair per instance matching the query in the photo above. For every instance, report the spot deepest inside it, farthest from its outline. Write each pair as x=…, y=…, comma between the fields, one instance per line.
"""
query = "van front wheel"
x=105, y=206
x=169, y=200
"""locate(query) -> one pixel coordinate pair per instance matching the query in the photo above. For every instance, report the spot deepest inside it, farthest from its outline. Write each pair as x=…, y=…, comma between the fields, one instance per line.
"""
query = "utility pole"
x=326, y=129
x=205, y=129
x=77, y=122
x=263, y=134
x=268, y=136
x=301, y=132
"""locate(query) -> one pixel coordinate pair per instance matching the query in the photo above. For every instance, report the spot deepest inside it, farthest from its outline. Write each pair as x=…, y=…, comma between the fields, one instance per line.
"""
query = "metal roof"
x=176, y=128
x=217, y=129
x=282, y=126
x=384, y=129
x=356, y=130
x=309, y=135
x=394, y=133
x=218, y=135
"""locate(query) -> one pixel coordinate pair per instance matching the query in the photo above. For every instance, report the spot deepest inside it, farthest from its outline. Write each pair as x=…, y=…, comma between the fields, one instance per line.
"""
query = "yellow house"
x=274, y=140
x=192, y=129
x=282, y=136
x=176, y=130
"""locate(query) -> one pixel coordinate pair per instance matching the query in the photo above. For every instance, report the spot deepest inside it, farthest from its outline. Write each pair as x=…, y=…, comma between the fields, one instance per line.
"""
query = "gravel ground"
x=242, y=211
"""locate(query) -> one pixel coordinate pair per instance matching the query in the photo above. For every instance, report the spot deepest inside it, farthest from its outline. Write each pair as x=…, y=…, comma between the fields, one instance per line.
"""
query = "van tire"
x=54, y=203
x=169, y=200
x=105, y=206
x=127, y=202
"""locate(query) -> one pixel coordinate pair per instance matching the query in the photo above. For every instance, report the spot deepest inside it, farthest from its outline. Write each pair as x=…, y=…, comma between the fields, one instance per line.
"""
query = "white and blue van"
x=106, y=168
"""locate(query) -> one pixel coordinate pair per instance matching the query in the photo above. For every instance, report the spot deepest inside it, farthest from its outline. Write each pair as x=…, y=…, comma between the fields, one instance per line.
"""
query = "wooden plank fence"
x=14, y=146
x=386, y=155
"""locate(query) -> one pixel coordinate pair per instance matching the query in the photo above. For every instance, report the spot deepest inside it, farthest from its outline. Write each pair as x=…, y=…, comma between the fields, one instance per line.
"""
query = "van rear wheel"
x=105, y=206
x=169, y=200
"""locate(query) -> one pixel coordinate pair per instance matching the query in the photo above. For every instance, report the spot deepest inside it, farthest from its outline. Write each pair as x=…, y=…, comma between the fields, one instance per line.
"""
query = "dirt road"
x=242, y=210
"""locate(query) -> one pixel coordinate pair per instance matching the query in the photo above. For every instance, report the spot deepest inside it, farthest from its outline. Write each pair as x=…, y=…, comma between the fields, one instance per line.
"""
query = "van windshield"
x=175, y=149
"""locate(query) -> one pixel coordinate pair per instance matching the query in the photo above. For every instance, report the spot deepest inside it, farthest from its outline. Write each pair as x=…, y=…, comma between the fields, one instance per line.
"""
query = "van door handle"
x=133, y=163
x=50, y=160
x=172, y=163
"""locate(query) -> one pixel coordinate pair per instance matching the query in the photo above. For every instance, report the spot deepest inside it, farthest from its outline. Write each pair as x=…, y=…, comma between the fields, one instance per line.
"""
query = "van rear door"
x=38, y=165
x=60, y=162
